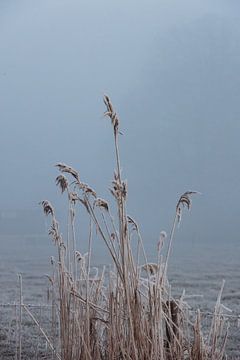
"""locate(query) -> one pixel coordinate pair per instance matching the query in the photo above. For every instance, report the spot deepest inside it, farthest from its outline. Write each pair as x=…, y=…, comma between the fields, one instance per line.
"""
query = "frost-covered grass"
x=127, y=311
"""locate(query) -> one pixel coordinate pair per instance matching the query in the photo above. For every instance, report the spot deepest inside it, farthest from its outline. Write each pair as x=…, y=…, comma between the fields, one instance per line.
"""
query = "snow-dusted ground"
x=197, y=268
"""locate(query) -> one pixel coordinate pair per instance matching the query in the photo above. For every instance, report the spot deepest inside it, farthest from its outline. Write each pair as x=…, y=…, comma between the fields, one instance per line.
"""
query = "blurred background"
x=171, y=69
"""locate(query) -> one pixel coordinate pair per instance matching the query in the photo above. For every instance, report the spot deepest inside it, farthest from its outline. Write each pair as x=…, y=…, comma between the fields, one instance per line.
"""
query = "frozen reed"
x=127, y=312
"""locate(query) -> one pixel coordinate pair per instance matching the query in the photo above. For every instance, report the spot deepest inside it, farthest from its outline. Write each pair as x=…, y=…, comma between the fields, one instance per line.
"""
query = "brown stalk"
x=123, y=313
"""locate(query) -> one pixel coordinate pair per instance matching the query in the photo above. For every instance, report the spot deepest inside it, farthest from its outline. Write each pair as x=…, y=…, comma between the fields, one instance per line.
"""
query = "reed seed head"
x=132, y=222
x=111, y=114
x=68, y=169
x=184, y=200
x=47, y=207
x=102, y=204
x=62, y=182
x=87, y=189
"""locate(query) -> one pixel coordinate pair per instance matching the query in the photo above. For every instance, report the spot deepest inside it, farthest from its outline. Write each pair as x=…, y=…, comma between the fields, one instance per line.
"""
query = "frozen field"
x=197, y=268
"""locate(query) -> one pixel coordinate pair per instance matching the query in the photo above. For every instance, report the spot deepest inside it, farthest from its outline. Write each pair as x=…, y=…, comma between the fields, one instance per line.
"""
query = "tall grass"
x=127, y=312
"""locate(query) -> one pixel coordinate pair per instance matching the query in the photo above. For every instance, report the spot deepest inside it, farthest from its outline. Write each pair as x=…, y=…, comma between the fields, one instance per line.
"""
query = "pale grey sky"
x=172, y=71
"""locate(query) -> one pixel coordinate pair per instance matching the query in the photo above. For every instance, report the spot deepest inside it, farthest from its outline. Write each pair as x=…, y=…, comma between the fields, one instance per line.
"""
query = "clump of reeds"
x=127, y=312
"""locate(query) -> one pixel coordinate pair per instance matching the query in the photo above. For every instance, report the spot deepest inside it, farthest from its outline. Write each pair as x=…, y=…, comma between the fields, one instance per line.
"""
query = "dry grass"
x=127, y=312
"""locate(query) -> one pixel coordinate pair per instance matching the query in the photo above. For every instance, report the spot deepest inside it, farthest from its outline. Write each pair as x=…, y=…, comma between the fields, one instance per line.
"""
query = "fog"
x=171, y=69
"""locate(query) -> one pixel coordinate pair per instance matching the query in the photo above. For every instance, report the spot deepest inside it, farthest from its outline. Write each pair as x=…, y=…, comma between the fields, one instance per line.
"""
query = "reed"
x=127, y=312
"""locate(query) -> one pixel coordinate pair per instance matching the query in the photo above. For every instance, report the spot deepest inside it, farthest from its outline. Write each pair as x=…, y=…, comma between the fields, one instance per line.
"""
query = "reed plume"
x=127, y=312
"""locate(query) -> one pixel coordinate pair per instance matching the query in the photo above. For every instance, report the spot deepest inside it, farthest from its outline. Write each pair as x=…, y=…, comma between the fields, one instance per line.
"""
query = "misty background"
x=171, y=69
